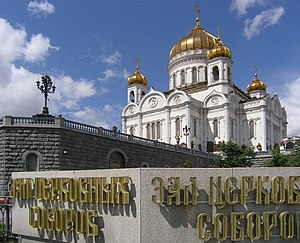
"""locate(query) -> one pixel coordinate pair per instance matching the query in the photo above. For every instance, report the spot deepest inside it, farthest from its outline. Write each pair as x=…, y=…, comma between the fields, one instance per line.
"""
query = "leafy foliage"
x=234, y=156
x=185, y=164
x=285, y=160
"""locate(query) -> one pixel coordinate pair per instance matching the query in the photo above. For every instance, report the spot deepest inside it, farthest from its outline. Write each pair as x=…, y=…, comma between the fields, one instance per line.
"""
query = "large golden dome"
x=219, y=50
x=137, y=78
x=198, y=38
x=256, y=85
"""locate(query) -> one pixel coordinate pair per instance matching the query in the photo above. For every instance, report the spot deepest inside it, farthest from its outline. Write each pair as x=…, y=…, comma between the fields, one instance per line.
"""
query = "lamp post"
x=186, y=132
x=46, y=87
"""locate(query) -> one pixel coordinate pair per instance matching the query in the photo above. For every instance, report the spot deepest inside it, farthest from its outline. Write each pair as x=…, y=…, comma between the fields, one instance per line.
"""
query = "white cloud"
x=99, y=117
x=19, y=94
x=267, y=18
x=42, y=8
x=112, y=59
x=111, y=73
x=14, y=45
x=241, y=6
x=290, y=101
x=38, y=48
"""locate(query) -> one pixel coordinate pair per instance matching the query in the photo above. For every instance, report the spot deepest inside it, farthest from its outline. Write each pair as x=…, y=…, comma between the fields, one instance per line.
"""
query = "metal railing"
x=62, y=122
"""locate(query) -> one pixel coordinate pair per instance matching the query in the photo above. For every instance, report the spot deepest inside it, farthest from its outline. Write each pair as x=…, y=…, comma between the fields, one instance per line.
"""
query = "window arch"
x=143, y=94
x=215, y=72
x=158, y=130
x=148, y=131
x=131, y=96
x=194, y=75
x=251, y=129
x=216, y=128
x=32, y=160
x=229, y=74
x=177, y=126
x=153, y=131
x=182, y=76
x=174, y=80
x=195, y=127
x=205, y=74
x=116, y=160
x=232, y=129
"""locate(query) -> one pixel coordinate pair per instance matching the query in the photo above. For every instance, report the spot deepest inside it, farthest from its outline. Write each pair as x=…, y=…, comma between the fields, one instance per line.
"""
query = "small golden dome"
x=256, y=85
x=198, y=38
x=137, y=78
x=219, y=50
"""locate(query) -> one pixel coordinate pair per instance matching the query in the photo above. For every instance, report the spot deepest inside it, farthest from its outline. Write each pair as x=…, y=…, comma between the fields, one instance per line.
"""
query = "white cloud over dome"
x=265, y=19
x=242, y=6
x=41, y=8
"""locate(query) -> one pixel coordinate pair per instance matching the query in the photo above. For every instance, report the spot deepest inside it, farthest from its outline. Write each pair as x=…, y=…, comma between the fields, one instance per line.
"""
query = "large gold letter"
x=267, y=225
x=160, y=189
x=203, y=218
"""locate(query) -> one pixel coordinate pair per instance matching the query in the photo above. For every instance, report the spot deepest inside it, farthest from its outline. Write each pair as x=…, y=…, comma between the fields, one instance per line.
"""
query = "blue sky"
x=89, y=48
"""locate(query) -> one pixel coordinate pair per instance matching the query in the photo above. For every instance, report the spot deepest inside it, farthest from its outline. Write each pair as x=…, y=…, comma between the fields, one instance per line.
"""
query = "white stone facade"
x=203, y=97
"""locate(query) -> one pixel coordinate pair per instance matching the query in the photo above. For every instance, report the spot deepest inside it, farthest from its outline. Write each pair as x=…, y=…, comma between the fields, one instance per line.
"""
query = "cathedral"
x=203, y=106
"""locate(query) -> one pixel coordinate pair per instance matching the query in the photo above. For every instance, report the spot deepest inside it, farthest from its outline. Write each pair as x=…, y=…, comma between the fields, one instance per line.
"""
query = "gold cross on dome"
x=137, y=62
x=219, y=32
x=256, y=71
x=197, y=11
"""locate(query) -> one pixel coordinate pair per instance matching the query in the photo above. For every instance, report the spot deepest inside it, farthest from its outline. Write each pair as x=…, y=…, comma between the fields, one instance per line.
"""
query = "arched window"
x=229, y=74
x=131, y=131
x=174, y=80
x=31, y=162
x=215, y=71
x=182, y=75
x=205, y=74
x=153, y=130
x=116, y=160
x=195, y=127
x=143, y=94
x=158, y=130
x=216, y=128
x=131, y=96
x=177, y=126
x=251, y=128
x=194, y=75
x=148, y=131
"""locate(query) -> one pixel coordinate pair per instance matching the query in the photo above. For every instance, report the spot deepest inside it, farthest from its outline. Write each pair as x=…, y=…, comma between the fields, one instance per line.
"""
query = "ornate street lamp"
x=186, y=132
x=46, y=87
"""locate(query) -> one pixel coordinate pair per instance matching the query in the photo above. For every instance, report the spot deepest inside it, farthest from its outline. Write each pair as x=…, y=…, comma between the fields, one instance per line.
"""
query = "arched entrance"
x=116, y=159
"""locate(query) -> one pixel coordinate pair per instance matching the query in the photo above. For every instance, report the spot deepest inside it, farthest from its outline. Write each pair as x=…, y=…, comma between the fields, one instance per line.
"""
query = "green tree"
x=231, y=155
x=185, y=164
x=285, y=160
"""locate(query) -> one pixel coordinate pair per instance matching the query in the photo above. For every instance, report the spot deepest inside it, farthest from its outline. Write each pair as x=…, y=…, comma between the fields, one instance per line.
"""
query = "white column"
x=226, y=124
x=140, y=128
x=263, y=129
x=188, y=76
x=199, y=74
x=221, y=71
x=225, y=71
x=167, y=126
x=188, y=123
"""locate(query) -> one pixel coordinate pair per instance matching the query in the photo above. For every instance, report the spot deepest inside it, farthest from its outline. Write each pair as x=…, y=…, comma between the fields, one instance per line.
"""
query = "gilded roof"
x=198, y=38
x=137, y=78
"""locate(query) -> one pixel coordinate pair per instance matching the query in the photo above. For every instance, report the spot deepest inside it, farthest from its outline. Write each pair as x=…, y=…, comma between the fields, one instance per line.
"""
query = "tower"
x=137, y=86
x=219, y=63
